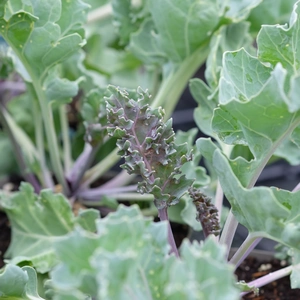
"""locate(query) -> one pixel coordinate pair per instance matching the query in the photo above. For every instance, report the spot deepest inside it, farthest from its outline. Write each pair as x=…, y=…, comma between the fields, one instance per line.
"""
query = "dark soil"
x=252, y=269
x=4, y=236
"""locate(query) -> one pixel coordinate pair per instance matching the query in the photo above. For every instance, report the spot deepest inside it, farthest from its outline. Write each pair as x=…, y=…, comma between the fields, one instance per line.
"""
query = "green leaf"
x=128, y=258
x=204, y=265
x=41, y=39
x=279, y=43
x=127, y=17
x=177, y=34
x=206, y=105
x=257, y=115
x=18, y=283
x=238, y=10
x=279, y=222
x=278, y=14
x=295, y=275
x=87, y=219
x=127, y=251
x=227, y=38
x=37, y=222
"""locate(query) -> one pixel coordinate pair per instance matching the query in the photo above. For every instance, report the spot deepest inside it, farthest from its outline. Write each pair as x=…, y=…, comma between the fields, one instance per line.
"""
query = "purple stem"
x=96, y=193
x=81, y=164
x=163, y=215
x=244, y=250
x=120, y=179
x=257, y=283
x=29, y=177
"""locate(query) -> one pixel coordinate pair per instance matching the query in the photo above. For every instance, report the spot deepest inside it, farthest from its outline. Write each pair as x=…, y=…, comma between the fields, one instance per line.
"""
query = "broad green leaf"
x=18, y=283
x=279, y=43
x=37, y=222
x=177, y=34
x=128, y=258
x=227, y=38
x=280, y=221
x=145, y=47
x=257, y=115
x=127, y=15
x=295, y=275
x=204, y=265
x=43, y=34
x=126, y=247
x=238, y=10
x=270, y=12
x=206, y=105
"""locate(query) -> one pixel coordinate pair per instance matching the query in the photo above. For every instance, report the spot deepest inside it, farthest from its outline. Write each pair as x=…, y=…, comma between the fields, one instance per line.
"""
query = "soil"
x=4, y=236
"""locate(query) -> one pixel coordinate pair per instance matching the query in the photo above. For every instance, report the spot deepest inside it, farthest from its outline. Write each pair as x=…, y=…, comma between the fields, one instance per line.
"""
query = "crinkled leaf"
x=125, y=248
x=37, y=222
x=148, y=146
x=128, y=258
x=204, y=265
x=18, y=283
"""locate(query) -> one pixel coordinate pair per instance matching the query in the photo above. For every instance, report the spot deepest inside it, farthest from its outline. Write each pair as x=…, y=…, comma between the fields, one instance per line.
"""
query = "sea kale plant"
x=70, y=108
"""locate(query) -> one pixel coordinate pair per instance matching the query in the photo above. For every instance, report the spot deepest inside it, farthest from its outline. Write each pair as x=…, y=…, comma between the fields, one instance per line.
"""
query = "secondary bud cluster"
x=207, y=214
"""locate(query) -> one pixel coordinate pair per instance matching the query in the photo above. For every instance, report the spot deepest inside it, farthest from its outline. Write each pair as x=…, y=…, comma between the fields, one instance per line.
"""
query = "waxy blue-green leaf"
x=227, y=38
x=18, y=283
x=128, y=258
x=238, y=10
x=270, y=12
x=265, y=212
x=254, y=110
x=197, y=262
x=127, y=17
x=280, y=43
x=43, y=34
x=37, y=222
x=295, y=276
x=127, y=251
x=177, y=34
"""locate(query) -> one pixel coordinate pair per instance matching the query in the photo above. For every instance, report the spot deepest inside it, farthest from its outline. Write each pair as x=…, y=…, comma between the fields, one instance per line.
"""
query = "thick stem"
x=81, y=164
x=163, y=215
x=101, y=168
x=219, y=199
x=39, y=141
x=257, y=283
x=244, y=250
x=121, y=179
x=67, y=156
x=121, y=196
x=228, y=232
x=28, y=176
x=173, y=86
x=97, y=193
